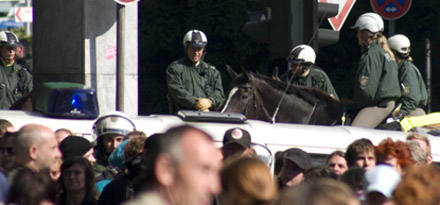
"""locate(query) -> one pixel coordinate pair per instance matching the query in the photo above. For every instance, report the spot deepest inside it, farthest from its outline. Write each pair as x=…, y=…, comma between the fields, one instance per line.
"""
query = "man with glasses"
x=15, y=81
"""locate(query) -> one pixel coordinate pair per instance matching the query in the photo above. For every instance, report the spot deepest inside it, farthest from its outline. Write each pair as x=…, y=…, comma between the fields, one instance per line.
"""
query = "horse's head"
x=241, y=96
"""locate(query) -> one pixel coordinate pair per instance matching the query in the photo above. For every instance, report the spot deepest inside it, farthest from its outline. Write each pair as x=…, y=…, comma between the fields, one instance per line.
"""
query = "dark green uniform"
x=316, y=79
x=376, y=79
x=413, y=88
x=377, y=87
x=15, y=81
x=187, y=82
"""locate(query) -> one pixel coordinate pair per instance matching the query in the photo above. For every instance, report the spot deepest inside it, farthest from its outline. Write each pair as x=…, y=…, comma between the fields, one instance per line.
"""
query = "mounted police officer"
x=377, y=85
x=15, y=81
x=414, y=94
x=192, y=83
x=301, y=61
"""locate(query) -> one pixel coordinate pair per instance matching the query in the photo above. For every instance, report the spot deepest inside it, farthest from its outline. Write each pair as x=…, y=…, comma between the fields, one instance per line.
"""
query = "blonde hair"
x=415, y=136
x=383, y=42
x=324, y=191
x=248, y=181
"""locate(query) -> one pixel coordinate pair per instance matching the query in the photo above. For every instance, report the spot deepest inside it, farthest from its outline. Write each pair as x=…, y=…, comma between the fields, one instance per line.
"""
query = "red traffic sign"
x=391, y=9
x=344, y=9
x=126, y=2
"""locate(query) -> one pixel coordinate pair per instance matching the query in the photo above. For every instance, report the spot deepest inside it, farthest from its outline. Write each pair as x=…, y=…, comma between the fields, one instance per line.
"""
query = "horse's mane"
x=310, y=95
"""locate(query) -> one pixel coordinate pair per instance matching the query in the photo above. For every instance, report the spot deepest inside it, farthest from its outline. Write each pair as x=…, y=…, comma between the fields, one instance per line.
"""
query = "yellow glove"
x=203, y=104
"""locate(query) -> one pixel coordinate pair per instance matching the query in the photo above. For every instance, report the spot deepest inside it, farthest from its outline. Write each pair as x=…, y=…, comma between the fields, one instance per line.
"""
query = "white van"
x=316, y=140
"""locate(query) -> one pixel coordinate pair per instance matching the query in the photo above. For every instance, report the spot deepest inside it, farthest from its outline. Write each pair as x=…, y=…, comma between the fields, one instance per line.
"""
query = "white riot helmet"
x=8, y=39
x=400, y=44
x=302, y=54
x=369, y=21
x=112, y=123
x=195, y=38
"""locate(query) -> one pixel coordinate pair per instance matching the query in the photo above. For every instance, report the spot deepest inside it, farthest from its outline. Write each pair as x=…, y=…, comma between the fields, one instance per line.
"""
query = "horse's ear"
x=275, y=73
x=231, y=72
x=246, y=74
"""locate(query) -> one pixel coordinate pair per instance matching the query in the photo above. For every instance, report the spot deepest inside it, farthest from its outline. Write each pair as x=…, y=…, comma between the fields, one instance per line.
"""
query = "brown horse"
x=260, y=97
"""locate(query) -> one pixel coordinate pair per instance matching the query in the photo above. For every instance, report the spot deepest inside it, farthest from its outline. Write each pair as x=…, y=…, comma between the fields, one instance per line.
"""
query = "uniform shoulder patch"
x=364, y=80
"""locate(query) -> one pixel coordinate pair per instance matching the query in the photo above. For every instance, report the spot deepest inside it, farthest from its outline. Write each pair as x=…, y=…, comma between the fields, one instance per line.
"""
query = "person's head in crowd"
x=77, y=146
x=322, y=192
x=420, y=185
x=236, y=141
x=379, y=184
x=424, y=143
x=296, y=162
x=317, y=173
x=7, y=151
x=354, y=178
x=183, y=165
x=110, y=131
x=62, y=133
x=118, y=159
x=77, y=182
x=32, y=188
x=418, y=154
x=5, y=126
x=38, y=147
x=22, y=49
x=361, y=153
x=336, y=161
x=247, y=181
x=133, y=153
x=394, y=153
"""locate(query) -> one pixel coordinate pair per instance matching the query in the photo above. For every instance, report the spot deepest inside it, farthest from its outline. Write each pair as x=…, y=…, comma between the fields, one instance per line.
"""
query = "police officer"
x=414, y=94
x=109, y=131
x=301, y=62
x=15, y=81
x=377, y=85
x=192, y=83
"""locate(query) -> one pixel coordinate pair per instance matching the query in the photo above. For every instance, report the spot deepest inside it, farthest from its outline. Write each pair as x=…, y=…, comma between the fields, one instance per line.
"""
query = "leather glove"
x=203, y=104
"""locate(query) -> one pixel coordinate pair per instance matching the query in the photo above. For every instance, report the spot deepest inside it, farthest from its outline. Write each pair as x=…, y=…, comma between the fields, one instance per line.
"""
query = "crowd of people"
x=183, y=166
x=123, y=165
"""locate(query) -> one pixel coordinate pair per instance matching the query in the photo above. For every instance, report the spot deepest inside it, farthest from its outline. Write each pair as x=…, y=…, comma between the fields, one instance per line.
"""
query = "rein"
x=282, y=97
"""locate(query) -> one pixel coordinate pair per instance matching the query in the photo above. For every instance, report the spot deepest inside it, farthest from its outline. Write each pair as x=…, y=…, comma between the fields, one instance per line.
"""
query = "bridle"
x=253, y=103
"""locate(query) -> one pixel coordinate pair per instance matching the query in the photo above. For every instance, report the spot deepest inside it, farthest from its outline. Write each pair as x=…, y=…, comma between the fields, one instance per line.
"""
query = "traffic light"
x=314, y=13
x=279, y=26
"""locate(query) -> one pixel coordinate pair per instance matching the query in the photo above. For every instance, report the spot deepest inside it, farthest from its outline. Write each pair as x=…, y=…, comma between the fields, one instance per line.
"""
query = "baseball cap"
x=381, y=178
x=237, y=135
x=299, y=157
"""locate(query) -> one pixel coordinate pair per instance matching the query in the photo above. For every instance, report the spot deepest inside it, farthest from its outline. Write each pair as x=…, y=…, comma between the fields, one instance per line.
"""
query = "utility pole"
x=428, y=72
x=120, y=68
